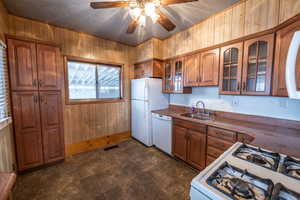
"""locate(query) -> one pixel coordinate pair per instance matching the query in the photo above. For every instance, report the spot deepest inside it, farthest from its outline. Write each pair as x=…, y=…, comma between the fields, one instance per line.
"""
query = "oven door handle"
x=291, y=62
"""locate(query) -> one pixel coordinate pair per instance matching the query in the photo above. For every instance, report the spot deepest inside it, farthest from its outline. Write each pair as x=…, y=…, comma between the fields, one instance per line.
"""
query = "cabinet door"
x=178, y=75
x=231, y=69
x=196, y=149
x=167, y=77
x=191, y=71
x=139, y=71
x=257, y=68
x=179, y=145
x=52, y=126
x=283, y=40
x=28, y=136
x=49, y=67
x=209, y=67
x=22, y=65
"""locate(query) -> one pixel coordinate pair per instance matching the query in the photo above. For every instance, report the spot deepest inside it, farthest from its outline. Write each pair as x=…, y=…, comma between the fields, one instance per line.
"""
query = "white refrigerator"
x=146, y=95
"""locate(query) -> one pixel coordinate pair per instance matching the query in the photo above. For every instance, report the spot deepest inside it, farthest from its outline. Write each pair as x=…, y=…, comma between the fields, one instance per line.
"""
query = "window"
x=93, y=81
x=4, y=95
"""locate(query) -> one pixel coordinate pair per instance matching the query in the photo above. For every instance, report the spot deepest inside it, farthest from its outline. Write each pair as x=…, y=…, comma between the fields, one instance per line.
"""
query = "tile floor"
x=131, y=172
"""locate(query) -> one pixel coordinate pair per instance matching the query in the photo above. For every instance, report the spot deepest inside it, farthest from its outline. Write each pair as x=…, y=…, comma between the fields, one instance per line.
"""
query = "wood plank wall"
x=152, y=48
x=244, y=18
x=85, y=121
x=7, y=156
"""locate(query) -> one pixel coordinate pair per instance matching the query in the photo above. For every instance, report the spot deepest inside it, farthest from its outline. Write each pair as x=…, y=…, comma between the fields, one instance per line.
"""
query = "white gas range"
x=247, y=172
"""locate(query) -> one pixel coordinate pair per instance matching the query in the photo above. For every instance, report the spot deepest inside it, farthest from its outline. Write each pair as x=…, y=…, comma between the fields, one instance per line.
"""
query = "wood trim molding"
x=8, y=36
x=149, y=60
x=92, y=101
x=91, y=144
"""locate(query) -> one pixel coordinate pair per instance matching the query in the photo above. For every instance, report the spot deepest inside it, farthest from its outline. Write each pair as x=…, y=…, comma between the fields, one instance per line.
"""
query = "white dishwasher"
x=162, y=132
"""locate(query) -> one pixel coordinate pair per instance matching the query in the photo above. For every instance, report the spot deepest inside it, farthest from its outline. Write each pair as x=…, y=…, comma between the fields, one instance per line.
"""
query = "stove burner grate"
x=291, y=167
x=239, y=184
x=258, y=156
x=282, y=193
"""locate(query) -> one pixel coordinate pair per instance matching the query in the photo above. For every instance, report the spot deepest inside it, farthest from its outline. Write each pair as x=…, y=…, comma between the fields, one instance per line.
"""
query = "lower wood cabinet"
x=189, y=142
x=38, y=128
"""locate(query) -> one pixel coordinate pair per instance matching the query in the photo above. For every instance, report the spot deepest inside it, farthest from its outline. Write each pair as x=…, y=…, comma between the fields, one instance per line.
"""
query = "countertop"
x=278, y=139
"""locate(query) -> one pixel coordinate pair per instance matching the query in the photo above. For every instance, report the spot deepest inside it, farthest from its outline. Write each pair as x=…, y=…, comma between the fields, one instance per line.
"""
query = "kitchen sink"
x=200, y=116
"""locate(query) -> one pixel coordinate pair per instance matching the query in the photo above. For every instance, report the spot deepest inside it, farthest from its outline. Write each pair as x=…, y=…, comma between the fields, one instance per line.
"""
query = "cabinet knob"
x=244, y=86
x=34, y=83
x=40, y=83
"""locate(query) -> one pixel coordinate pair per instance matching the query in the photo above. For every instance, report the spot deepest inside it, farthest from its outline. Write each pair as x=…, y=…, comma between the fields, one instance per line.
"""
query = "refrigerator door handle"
x=291, y=61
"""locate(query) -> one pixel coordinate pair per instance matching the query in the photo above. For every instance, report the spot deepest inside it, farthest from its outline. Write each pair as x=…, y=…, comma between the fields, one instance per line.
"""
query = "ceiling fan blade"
x=132, y=26
x=114, y=4
x=169, y=2
x=164, y=21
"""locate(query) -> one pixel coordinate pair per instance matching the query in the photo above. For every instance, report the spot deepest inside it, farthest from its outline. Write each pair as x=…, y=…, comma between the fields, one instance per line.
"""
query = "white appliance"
x=146, y=95
x=202, y=189
x=162, y=132
x=291, y=62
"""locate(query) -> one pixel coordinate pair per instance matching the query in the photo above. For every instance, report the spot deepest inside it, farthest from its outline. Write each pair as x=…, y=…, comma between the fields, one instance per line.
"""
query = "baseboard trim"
x=88, y=145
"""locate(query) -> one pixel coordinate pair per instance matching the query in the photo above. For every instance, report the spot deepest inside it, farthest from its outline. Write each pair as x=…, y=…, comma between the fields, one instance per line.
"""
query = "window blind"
x=4, y=90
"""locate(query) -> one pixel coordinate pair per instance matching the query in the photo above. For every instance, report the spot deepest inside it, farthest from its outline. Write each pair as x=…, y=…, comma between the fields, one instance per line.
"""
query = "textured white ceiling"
x=112, y=23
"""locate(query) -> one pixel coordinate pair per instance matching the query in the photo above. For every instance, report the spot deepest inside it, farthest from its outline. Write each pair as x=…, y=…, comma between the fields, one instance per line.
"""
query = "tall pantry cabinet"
x=36, y=82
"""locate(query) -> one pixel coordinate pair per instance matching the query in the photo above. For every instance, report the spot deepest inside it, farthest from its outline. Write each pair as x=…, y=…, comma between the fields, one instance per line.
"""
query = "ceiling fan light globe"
x=135, y=12
x=154, y=17
x=142, y=20
x=150, y=8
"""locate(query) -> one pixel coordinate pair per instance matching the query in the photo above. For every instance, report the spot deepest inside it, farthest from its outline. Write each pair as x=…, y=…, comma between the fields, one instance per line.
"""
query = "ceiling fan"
x=139, y=9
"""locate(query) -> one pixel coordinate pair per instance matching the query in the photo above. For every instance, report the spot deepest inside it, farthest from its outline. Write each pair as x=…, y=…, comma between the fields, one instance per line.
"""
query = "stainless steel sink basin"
x=200, y=116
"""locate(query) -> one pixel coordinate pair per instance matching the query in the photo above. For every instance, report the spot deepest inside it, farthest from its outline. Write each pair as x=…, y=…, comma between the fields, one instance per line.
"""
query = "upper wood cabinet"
x=34, y=66
x=231, y=68
x=192, y=70
x=257, y=67
x=49, y=67
x=283, y=41
x=149, y=69
x=209, y=67
x=22, y=62
x=173, y=79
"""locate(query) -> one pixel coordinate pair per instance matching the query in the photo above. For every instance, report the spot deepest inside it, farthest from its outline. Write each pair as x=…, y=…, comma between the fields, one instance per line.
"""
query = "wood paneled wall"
x=85, y=121
x=7, y=152
x=243, y=18
x=7, y=156
x=152, y=48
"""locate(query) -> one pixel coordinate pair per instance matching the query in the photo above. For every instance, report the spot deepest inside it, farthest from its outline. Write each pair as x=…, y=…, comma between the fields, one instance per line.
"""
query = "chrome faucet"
x=203, y=105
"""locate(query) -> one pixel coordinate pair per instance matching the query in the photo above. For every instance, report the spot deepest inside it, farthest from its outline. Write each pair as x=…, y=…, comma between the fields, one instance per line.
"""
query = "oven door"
x=291, y=67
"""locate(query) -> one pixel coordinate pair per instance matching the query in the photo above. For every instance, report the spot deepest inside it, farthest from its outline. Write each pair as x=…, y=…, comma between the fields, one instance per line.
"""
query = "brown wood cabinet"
x=189, y=142
x=192, y=71
x=231, y=61
x=27, y=125
x=149, y=69
x=209, y=67
x=202, y=69
x=173, y=80
x=49, y=67
x=218, y=141
x=247, y=69
x=283, y=41
x=258, y=64
x=22, y=63
x=36, y=79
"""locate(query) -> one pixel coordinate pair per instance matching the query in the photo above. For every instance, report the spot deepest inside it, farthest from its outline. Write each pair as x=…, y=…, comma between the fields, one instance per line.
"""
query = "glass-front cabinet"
x=246, y=68
x=231, y=69
x=173, y=77
x=257, y=65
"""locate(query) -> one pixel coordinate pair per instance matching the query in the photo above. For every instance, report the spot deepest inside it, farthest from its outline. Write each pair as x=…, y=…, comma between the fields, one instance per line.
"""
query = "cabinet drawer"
x=223, y=134
x=214, y=152
x=190, y=125
x=209, y=160
x=218, y=143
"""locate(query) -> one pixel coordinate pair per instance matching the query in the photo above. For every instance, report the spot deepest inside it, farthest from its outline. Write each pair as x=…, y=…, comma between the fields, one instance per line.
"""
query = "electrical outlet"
x=235, y=102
